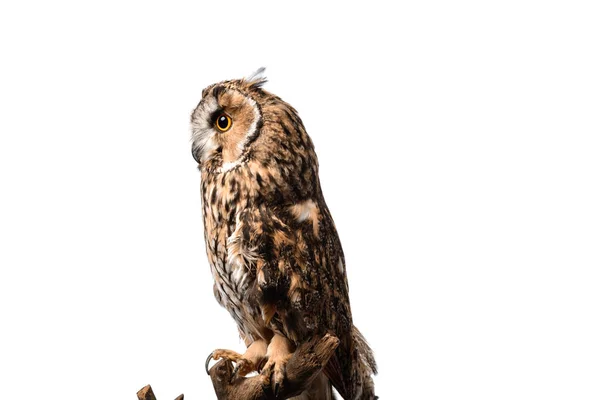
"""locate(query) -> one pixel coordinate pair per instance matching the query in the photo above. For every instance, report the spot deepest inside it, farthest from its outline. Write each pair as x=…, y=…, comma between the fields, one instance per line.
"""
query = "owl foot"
x=222, y=353
x=244, y=364
x=274, y=373
x=279, y=352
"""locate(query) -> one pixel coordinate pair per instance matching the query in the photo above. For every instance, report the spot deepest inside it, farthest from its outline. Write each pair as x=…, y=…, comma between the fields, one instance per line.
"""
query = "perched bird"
x=272, y=245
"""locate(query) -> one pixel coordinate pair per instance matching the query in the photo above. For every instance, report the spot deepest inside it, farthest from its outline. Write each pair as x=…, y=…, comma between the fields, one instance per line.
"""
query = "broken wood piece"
x=146, y=393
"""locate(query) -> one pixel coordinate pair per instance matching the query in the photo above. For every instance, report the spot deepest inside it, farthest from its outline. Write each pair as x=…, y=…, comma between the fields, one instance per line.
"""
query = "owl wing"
x=300, y=278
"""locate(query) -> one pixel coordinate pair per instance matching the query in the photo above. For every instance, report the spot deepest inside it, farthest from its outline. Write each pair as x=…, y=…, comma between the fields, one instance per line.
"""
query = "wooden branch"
x=146, y=393
x=302, y=368
x=304, y=365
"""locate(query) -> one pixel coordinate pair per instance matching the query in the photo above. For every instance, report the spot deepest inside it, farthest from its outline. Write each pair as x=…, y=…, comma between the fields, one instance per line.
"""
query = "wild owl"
x=272, y=245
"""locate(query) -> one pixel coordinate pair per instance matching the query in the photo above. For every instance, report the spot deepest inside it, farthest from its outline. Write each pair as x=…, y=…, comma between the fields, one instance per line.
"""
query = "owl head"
x=227, y=119
x=237, y=120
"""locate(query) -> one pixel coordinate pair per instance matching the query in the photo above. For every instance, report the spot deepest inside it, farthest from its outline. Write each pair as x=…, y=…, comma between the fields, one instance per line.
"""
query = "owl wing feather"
x=300, y=280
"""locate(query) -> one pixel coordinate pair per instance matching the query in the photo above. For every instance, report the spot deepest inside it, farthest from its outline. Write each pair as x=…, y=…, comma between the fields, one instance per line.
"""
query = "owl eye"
x=223, y=122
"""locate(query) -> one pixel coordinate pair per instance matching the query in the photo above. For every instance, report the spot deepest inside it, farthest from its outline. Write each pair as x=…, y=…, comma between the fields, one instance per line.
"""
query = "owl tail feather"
x=350, y=370
x=364, y=350
x=365, y=367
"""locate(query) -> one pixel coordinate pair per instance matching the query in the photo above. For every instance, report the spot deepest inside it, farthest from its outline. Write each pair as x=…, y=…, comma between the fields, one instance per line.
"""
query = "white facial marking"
x=242, y=143
x=203, y=133
x=229, y=165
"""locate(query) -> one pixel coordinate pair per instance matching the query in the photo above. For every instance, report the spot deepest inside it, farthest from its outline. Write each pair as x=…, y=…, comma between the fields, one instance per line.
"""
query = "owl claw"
x=266, y=387
x=210, y=356
x=243, y=367
x=233, y=374
x=274, y=371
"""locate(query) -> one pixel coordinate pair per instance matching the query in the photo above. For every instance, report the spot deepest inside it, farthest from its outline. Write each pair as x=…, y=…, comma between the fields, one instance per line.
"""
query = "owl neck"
x=254, y=181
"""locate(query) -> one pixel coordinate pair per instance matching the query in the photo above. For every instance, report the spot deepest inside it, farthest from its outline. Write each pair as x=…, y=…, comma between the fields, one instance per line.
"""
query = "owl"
x=272, y=245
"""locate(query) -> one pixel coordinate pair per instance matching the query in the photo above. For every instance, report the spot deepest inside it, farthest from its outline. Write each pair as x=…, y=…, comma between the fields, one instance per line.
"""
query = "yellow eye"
x=223, y=122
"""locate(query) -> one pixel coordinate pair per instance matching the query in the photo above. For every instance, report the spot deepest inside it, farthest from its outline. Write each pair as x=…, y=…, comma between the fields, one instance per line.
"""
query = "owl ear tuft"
x=257, y=79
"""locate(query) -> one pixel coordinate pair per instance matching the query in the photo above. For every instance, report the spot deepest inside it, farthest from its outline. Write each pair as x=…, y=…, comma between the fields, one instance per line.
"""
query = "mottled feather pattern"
x=272, y=245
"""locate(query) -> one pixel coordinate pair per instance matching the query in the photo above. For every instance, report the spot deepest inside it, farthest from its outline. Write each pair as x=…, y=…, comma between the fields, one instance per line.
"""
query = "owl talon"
x=242, y=368
x=278, y=353
x=210, y=356
x=220, y=353
x=233, y=375
x=266, y=386
x=274, y=373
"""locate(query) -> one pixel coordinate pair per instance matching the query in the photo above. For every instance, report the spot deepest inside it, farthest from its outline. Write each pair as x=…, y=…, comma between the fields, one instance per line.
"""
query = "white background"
x=459, y=152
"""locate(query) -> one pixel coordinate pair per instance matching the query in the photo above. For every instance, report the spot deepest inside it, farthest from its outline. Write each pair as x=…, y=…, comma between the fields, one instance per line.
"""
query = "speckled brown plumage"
x=272, y=245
